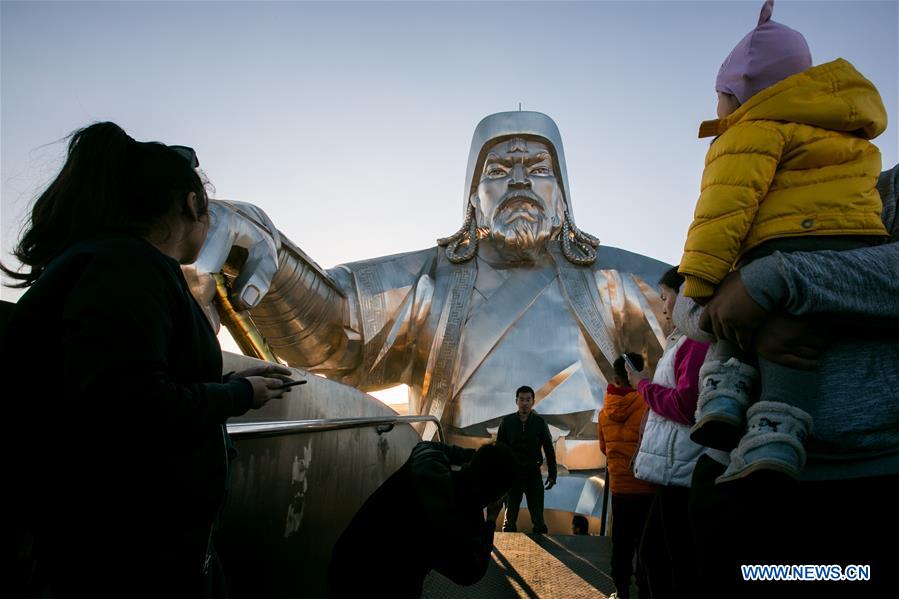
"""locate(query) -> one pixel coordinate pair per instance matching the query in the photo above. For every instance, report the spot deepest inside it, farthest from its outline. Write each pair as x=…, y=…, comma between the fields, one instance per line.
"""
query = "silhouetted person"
x=425, y=517
x=117, y=405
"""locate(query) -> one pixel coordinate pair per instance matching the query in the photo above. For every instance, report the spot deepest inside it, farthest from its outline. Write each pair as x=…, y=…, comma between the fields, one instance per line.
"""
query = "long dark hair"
x=109, y=183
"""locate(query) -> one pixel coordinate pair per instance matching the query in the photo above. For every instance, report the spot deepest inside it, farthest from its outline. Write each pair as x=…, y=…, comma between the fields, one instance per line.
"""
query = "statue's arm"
x=356, y=323
x=306, y=316
x=301, y=311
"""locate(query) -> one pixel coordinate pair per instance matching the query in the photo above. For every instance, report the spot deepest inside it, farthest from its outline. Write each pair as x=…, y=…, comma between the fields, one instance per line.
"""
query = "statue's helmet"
x=501, y=126
x=578, y=247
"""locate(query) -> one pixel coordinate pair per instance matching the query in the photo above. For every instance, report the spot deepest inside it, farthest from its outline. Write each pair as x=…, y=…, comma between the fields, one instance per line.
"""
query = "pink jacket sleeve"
x=678, y=403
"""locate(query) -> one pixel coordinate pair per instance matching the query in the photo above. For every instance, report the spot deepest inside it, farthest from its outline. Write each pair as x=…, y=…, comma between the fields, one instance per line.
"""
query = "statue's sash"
x=454, y=284
x=579, y=287
x=387, y=290
x=375, y=320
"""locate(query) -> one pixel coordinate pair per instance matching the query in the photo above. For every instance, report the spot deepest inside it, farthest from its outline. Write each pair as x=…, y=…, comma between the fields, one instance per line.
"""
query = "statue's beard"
x=520, y=227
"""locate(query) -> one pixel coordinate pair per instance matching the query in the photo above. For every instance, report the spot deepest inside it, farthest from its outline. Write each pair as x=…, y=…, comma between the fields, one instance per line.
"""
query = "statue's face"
x=519, y=198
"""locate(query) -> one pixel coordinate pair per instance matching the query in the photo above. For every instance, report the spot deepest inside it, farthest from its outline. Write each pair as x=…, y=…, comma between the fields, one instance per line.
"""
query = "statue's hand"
x=241, y=226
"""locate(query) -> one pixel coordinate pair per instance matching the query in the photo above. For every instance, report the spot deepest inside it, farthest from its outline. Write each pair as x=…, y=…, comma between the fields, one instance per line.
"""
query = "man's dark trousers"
x=531, y=486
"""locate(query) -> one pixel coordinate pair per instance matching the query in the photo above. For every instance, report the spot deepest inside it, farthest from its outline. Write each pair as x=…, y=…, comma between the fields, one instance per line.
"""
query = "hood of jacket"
x=833, y=96
x=621, y=402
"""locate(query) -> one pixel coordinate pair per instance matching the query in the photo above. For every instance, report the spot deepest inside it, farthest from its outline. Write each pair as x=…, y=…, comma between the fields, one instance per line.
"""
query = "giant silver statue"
x=518, y=296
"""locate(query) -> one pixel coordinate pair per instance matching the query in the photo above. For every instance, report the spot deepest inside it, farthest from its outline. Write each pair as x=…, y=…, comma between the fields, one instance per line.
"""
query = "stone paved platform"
x=536, y=567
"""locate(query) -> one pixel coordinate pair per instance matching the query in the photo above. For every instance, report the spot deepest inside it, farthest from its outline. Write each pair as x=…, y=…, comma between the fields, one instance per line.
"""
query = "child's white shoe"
x=774, y=442
x=723, y=398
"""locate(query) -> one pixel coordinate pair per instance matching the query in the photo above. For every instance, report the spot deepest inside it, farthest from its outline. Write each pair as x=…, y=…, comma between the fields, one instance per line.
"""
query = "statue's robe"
x=464, y=336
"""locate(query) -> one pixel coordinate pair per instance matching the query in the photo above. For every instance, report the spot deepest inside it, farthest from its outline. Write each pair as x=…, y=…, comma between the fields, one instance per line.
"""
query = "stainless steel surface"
x=306, y=464
x=509, y=135
x=256, y=430
x=236, y=225
x=462, y=334
x=243, y=331
x=292, y=494
x=504, y=125
x=304, y=312
x=575, y=493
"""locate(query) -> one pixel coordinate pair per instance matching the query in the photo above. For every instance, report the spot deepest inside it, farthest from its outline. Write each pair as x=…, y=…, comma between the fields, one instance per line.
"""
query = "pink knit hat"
x=769, y=53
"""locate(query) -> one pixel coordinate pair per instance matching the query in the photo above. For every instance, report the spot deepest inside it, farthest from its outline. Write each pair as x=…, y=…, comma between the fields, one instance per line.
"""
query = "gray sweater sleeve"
x=862, y=282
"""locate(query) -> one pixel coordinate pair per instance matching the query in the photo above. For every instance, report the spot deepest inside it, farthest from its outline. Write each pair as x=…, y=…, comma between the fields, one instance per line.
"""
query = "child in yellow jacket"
x=791, y=169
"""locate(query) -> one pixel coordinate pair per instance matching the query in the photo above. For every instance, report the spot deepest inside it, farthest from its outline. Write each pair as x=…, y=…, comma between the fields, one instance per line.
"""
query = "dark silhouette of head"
x=109, y=183
x=621, y=371
x=579, y=525
x=491, y=472
x=524, y=389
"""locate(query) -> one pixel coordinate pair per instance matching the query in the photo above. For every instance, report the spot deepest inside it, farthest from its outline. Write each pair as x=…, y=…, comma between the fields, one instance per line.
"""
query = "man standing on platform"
x=526, y=432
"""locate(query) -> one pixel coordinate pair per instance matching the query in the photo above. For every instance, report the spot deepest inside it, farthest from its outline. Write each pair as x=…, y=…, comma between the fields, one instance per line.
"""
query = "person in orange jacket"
x=619, y=437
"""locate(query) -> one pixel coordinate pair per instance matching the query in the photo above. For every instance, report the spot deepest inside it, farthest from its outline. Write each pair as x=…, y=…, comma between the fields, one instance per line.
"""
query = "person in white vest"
x=666, y=455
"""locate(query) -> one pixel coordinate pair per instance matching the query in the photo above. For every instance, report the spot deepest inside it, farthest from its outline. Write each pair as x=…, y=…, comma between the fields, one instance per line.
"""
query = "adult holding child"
x=846, y=326
x=123, y=460
x=792, y=168
x=790, y=203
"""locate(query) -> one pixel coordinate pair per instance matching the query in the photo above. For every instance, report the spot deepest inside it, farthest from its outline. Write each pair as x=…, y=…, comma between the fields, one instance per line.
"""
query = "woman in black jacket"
x=118, y=404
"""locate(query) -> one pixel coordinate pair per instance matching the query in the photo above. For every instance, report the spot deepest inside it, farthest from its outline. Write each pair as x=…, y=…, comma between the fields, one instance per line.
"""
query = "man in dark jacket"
x=526, y=432
x=425, y=517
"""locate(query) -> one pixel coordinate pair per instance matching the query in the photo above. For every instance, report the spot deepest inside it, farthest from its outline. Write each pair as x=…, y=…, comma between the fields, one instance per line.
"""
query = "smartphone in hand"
x=629, y=364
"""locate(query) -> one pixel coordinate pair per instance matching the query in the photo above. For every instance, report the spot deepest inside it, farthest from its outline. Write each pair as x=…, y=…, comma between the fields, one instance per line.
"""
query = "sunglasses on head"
x=188, y=154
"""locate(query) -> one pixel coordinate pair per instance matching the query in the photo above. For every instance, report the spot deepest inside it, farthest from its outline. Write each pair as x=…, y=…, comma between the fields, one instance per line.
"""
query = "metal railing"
x=384, y=424
x=605, y=501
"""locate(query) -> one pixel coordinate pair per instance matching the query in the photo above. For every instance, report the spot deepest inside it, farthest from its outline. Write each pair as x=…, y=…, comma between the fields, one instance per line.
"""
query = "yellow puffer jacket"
x=794, y=160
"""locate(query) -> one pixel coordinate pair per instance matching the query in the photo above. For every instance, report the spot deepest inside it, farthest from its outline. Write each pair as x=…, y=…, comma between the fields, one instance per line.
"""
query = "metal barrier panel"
x=293, y=494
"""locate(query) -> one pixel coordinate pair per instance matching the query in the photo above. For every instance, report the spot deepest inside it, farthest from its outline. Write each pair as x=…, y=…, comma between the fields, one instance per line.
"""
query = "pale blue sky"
x=349, y=123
